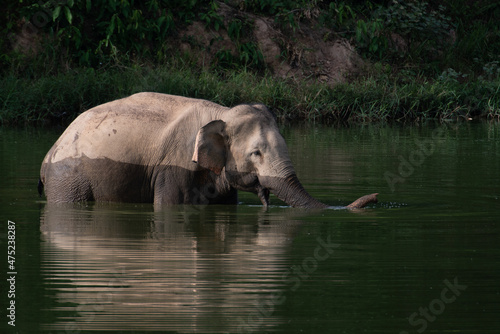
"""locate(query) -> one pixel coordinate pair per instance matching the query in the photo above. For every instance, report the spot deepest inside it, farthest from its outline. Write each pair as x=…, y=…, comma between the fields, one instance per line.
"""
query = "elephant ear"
x=210, y=146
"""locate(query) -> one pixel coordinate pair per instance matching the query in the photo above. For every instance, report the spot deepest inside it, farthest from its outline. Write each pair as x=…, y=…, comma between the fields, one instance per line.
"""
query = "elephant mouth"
x=249, y=182
x=263, y=194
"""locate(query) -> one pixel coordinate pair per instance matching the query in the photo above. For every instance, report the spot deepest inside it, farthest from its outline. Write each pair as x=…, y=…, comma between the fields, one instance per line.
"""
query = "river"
x=426, y=258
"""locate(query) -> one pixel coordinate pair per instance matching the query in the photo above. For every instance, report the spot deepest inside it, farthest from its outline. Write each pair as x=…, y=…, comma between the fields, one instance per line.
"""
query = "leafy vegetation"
x=94, y=32
x=428, y=59
x=58, y=99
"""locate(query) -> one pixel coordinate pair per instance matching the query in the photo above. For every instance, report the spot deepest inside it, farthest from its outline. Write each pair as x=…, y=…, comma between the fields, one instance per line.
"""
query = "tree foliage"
x=94, y=33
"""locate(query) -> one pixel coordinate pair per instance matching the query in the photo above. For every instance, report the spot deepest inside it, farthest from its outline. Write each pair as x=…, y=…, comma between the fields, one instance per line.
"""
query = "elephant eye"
x=256, y=153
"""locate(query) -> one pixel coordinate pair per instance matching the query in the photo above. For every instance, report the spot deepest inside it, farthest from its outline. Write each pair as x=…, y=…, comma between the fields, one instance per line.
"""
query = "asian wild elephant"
x=167, y=149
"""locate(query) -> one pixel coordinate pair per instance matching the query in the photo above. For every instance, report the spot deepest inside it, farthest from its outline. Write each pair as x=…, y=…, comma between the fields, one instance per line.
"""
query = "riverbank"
x=354, y=61
x=60, y=98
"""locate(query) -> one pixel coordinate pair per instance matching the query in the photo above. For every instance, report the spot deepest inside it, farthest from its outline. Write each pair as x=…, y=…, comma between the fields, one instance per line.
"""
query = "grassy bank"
x=60, y=98
x=421, y=59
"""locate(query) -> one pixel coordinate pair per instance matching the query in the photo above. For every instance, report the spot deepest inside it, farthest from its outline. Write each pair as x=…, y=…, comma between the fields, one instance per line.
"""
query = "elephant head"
x=246, y=148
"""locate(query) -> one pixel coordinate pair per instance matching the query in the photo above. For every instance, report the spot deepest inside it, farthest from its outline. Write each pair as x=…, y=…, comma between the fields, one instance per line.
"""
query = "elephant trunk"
x=291, y=191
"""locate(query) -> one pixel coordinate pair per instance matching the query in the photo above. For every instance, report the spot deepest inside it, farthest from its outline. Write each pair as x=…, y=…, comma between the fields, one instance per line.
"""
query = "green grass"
x=58, y=99
x=74, y=71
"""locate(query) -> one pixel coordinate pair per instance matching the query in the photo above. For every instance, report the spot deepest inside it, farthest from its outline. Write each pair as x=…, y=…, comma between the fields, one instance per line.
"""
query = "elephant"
x=167, y=150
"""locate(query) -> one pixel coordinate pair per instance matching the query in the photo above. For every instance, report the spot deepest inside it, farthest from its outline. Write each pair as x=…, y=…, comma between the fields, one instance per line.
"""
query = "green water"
x=426, y=258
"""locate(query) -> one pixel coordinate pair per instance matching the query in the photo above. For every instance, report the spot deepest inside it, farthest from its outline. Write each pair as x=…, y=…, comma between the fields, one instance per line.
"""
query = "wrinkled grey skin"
x=166, y=149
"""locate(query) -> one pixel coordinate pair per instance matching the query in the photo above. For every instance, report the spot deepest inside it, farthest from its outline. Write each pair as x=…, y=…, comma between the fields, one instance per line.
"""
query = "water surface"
x=426, y=258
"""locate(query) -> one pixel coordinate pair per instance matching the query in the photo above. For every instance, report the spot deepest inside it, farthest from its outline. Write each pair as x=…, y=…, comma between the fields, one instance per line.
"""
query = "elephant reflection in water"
x=139, y=269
